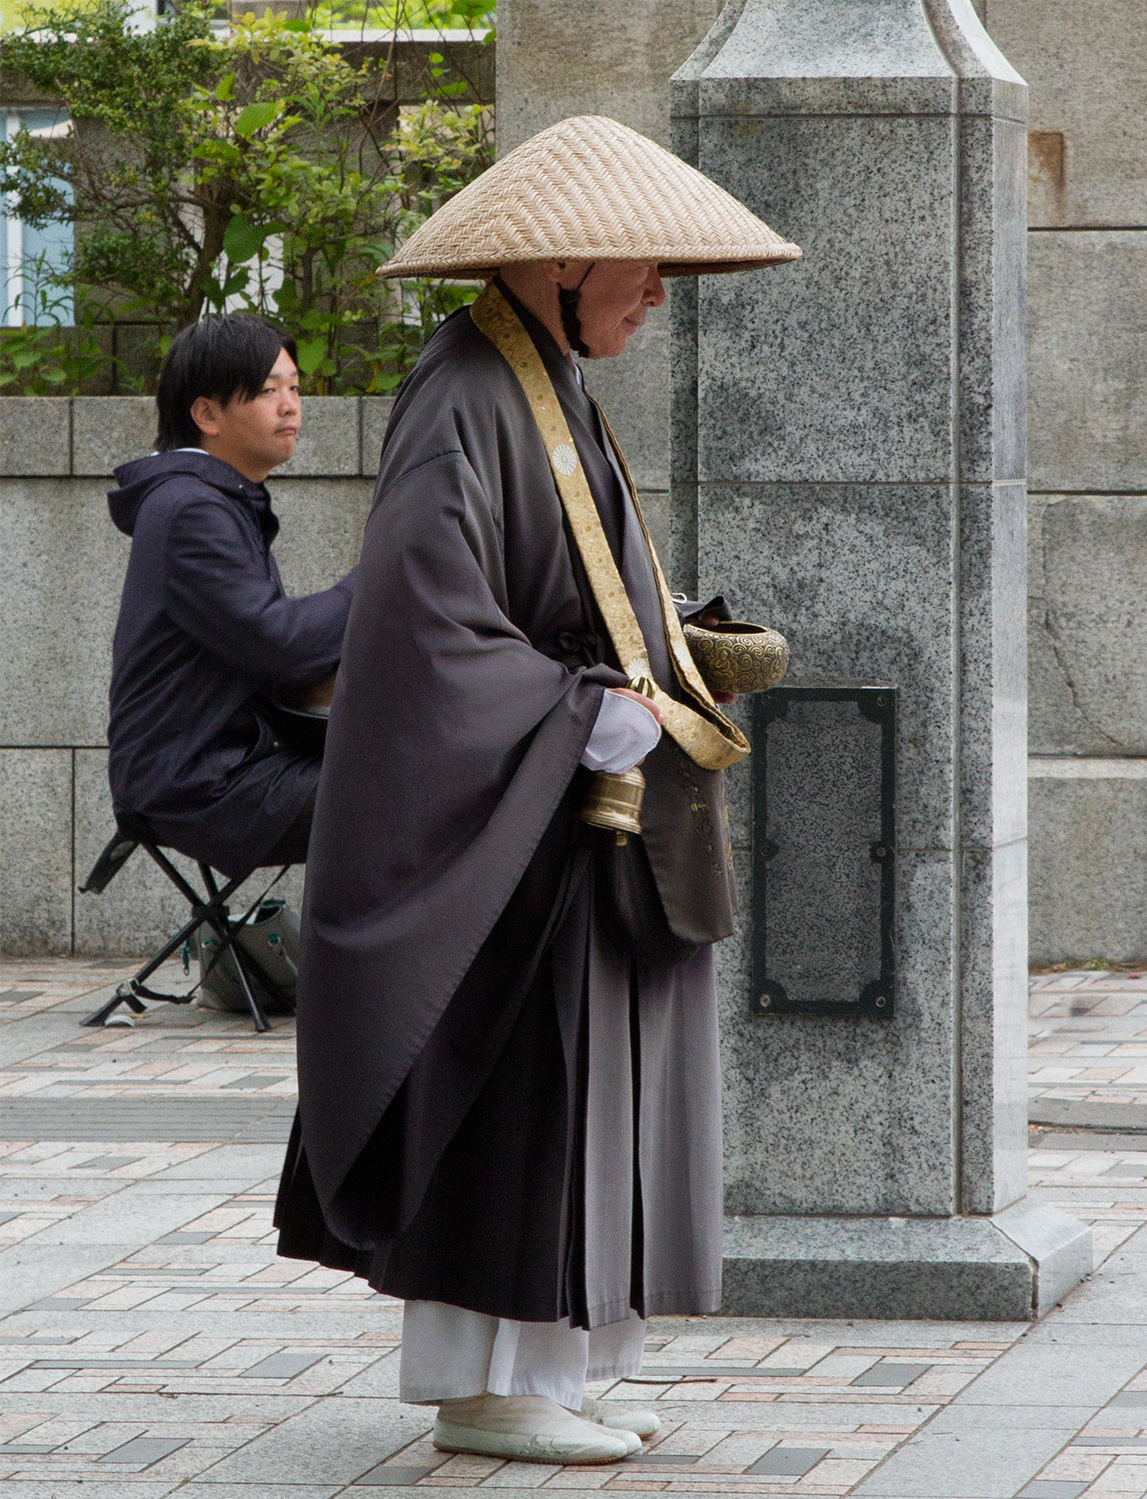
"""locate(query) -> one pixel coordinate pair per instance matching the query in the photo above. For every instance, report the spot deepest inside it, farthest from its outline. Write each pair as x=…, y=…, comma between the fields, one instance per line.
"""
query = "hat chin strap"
x=568, y=299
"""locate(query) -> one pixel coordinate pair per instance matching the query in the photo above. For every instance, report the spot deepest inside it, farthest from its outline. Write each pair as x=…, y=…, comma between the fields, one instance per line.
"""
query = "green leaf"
x=221, y=151
x=226, y=87
x=312, y=352
x=256, y=117
x=243, y=240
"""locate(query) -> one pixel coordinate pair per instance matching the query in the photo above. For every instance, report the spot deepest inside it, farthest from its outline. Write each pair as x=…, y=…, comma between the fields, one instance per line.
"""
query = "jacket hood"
x=138, y=478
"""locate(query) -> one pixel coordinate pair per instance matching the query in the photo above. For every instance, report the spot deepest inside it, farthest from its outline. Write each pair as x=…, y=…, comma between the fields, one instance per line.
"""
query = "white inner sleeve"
x=623, y=733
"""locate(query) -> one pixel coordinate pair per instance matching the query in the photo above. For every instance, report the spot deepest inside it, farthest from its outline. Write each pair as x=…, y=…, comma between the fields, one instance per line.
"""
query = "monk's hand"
x=639, y=697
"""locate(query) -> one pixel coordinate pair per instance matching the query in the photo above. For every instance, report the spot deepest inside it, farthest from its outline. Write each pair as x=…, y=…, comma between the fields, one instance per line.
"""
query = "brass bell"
x=614, y=802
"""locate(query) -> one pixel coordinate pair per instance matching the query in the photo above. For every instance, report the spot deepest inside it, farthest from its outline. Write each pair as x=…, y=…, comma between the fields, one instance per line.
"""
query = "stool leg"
x=123, y=996
x=222, y=930
x=261, y=1021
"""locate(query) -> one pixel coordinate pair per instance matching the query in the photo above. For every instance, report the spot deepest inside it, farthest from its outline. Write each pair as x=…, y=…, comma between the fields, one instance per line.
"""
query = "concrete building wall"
x=61, y=571
x=1086, y=65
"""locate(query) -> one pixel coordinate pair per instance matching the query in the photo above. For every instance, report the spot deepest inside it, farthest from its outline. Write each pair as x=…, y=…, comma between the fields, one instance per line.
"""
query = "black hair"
x=220, y=357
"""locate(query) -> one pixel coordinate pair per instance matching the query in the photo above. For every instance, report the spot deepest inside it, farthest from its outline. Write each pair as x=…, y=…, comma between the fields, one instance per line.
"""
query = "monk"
x=510, y=1107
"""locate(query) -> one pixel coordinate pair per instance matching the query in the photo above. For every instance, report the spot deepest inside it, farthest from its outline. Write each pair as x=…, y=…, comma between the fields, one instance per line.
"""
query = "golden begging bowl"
x=614, y=802
x=736, y=657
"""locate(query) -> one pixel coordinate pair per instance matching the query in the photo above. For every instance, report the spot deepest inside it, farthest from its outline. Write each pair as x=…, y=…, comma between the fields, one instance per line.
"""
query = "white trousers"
x=449, y=1353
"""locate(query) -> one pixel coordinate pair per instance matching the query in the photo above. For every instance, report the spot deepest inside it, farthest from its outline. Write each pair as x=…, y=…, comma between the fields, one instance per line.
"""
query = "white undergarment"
x=449, y=1353
x=623, y=733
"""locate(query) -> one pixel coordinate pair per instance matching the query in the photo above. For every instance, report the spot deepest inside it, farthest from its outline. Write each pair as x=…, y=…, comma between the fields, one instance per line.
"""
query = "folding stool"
x=208, y=909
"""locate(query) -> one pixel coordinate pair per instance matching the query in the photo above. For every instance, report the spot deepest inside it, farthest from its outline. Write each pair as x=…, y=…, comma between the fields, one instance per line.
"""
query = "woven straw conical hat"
x=590, y=189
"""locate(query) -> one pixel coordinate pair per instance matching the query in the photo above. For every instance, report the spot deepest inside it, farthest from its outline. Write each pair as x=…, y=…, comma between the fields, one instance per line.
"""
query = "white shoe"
x=606, y=1413
x=529, y=1427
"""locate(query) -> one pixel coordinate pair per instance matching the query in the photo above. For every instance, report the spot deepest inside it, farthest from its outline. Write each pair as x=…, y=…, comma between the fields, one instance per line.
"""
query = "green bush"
x=254, y=168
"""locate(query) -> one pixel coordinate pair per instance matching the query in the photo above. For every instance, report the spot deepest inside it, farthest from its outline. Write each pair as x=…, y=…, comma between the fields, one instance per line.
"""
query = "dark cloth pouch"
x=630, y=903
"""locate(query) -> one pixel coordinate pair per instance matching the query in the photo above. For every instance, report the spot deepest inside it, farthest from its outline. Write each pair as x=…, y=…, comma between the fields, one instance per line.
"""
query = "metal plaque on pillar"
x=824, y=838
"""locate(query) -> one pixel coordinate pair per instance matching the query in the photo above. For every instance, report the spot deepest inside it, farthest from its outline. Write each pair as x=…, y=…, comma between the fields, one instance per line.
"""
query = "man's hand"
x=314, y=695
x=639, y=697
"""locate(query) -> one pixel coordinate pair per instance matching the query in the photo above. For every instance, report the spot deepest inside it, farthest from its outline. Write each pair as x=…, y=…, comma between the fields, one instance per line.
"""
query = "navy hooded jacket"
x=205, y=630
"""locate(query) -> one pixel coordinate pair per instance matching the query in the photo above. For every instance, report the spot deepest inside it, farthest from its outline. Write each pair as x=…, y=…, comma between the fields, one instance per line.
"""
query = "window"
x=26, y=253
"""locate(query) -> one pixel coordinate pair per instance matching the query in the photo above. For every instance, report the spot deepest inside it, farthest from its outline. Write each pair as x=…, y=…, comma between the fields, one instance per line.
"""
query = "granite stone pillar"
x=848, y=466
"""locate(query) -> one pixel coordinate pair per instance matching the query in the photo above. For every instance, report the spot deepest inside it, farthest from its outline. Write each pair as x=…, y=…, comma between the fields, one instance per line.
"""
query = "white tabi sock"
x=529, y=1427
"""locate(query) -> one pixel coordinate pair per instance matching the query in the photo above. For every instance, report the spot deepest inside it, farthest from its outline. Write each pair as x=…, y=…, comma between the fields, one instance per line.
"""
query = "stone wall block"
x=861, y=404
x=322, y=526
x=329, y=439
x=1084, y=65
x=1090, y=627
x=879, y=1139
x=35, y=852
x=1087, y=353
x=375, y=415
x=110, y=430
x=140, y=909
x=1088, y=860
x=555, y=60
x=61, y=571
x=858, y=578
x=1055, y=724
x=35, y=435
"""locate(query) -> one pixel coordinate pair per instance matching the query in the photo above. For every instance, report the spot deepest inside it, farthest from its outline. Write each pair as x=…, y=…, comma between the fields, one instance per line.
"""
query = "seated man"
x=207, y=639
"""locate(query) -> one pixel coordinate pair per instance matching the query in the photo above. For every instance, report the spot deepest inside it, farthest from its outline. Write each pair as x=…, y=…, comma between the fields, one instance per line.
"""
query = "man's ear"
x=205, y=415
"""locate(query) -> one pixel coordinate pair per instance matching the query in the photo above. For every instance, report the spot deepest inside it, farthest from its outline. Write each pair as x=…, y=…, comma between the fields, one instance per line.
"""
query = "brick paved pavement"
x=151, y=1344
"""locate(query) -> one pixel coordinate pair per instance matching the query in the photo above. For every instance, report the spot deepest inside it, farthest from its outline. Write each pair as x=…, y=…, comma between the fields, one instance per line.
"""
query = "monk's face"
x=613, y=301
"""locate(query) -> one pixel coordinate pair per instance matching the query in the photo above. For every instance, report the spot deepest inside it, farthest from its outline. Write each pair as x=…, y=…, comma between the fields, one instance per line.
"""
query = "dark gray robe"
x=500, y=1107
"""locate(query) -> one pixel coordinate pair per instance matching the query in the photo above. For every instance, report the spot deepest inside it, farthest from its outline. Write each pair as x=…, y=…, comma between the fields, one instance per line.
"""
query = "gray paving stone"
x=335, y=1439
x=94, y=1489
x=789, y=1462
x=126, y=1217
x=983, y=1463
x=890, y=1374
x=251, y=1163
x=30, y=1271
x=394, y=1476
x=260, y=1490
x=283, y=1365
x=189, y=1119
x=1059, y=1372
x=679, y=1458
x=143, y=1450
x=1051, y=1489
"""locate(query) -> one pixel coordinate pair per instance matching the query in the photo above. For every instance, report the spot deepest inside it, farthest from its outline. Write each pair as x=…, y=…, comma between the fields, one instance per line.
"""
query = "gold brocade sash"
x=699, y=727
